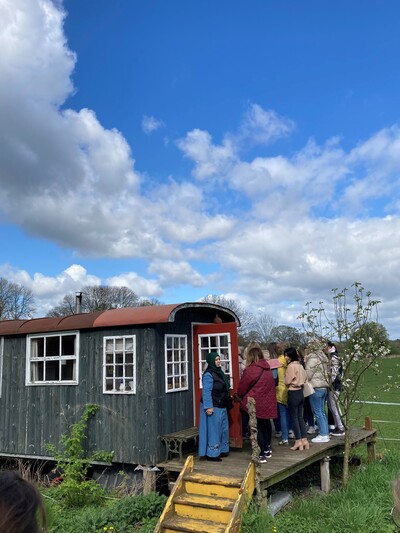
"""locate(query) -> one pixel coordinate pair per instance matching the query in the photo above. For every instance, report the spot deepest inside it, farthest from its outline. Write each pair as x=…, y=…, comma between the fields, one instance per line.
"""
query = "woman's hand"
x=209, y=411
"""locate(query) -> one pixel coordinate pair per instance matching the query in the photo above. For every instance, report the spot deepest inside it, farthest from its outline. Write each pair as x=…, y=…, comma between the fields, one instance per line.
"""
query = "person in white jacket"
x=334, y=389
x=318, y=372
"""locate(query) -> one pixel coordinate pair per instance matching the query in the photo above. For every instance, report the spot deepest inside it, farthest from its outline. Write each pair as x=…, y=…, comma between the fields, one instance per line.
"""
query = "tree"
x=288, y=334
x=246, y=318
x=361, y=345
x=375, y=330
x=263, y=326
x=16, y=301
x=96, y=298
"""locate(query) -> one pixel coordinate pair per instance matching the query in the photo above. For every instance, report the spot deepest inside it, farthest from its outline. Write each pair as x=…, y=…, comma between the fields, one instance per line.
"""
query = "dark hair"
x=292, y=353
x=20, y=501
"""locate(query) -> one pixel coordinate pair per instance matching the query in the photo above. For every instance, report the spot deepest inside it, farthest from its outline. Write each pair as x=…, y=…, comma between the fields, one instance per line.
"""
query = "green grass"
x=385, y=418
x=363, y=507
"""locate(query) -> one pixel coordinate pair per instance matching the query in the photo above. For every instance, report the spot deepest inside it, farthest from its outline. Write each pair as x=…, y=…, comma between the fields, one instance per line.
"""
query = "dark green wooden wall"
x=130, y=425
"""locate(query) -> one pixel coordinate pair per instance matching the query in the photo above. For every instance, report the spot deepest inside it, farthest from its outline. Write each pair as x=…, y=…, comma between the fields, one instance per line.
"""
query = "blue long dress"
x=214, y=429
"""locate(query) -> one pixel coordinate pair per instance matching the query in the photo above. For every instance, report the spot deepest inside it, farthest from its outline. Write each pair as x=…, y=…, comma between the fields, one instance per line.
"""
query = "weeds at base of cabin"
x=76, y=490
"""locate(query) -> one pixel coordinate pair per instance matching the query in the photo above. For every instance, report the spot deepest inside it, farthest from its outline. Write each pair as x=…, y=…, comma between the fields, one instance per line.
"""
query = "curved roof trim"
x=154, y=314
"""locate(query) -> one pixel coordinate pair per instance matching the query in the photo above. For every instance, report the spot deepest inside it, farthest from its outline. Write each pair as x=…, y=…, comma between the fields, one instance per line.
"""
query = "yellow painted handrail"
x=176, y=491
x=245, y=493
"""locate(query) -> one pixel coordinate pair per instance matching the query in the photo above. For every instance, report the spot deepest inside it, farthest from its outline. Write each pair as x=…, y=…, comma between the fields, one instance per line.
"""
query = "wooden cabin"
x=141, y=365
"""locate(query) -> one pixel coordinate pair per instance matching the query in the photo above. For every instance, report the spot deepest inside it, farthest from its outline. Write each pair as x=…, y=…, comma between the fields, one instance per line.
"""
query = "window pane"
x=109, y=345
x=129, y=358
x=119, y=358
x=68, y=370
x=52, y=371
x=68, y=345
x=52, y=346
x=129, y=344
x=129, y=371
x=119, y=344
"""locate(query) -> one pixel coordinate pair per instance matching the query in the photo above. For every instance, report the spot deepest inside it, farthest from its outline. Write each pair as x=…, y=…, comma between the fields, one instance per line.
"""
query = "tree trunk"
x=346, y=458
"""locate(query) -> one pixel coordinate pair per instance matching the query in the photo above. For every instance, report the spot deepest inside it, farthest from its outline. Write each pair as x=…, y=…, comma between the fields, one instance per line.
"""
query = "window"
x=176, y=363
x=119, y=365
x=215, y=343
x=52, y=359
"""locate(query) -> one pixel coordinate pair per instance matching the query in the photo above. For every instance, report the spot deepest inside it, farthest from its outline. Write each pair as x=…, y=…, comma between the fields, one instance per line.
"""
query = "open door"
x=223, y=339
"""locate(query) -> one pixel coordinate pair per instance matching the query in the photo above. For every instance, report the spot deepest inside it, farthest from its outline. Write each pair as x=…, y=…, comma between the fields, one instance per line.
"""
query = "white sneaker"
x=331, y=427
x=291, y=434
x=320, y=438
x=311, y=430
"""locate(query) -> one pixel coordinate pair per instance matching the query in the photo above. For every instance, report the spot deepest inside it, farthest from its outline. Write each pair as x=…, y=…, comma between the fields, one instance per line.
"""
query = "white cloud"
x=262, y=126
x=150, y=124
x=210, y=160
x=176, y=273
x=144, y=288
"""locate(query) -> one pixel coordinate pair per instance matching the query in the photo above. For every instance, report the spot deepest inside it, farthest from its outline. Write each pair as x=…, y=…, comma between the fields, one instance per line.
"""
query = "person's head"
x=272, y=349
x=330, y=347
x=314, y=345
x=254, y=355
x=21, y=505
x=213, y=360
x=281, y=347
x=291, y=354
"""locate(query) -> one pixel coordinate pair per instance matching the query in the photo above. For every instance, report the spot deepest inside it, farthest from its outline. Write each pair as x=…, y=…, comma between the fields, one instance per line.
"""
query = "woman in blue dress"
x=214, y=426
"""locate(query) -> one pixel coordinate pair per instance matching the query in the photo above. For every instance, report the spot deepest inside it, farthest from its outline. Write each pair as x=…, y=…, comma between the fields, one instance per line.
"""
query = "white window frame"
x=212, y=342
x=176, y=369
x=32, y=359
x=127, y=383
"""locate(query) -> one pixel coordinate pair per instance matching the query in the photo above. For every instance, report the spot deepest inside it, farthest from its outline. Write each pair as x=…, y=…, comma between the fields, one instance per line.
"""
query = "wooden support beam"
x=325, y=474
x=149, y=481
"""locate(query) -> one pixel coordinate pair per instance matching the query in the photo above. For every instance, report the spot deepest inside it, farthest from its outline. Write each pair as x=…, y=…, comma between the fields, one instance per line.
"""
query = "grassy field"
x=385, y=417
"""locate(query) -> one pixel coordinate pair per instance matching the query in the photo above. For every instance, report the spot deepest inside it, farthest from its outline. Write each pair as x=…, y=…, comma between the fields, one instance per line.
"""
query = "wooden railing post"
x=370, y=445
x=368, y=422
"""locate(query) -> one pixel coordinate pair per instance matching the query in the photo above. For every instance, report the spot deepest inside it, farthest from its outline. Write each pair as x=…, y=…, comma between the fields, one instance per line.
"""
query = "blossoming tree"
x=345, y=320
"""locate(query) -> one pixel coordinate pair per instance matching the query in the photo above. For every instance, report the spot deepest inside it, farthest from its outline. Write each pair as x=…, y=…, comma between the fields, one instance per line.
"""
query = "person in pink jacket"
x=258, y=382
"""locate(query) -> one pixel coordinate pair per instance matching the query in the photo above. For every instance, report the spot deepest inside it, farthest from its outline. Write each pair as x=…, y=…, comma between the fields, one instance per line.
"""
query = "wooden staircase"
x=201, y=503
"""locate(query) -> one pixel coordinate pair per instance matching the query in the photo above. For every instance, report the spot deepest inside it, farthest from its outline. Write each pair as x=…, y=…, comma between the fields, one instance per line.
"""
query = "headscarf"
x=211, y=356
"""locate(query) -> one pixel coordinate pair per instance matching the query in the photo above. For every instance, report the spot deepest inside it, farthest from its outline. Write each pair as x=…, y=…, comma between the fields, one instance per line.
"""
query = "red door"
x=221, y=338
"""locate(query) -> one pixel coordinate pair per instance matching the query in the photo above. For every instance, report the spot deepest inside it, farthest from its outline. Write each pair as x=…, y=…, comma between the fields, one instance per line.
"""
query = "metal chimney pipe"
x=78, y=303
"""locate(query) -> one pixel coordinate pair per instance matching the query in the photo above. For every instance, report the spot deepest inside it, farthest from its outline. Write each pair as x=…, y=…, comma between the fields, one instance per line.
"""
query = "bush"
x=123, y=516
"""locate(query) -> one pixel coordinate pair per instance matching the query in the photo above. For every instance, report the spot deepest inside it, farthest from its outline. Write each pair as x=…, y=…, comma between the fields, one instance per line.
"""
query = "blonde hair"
x=254, y=355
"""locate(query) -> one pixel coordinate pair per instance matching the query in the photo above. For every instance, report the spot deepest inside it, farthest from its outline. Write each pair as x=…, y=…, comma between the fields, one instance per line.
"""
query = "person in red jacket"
x=258, y=382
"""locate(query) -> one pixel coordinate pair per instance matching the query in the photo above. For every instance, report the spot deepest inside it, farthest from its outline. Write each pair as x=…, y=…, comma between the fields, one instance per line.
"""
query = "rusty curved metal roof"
x=153, y=314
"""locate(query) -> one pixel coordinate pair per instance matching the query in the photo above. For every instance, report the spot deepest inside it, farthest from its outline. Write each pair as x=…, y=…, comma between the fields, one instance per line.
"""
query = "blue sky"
x=182, y=149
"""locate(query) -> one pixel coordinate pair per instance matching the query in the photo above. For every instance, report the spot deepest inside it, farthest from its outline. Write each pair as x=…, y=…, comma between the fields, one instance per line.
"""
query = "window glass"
x=52, y=359
x=176, y=363
x=119, y=365
x=215, y=343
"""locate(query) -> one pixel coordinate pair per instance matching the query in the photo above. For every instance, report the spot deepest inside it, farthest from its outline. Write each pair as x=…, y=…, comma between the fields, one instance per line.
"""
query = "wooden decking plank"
x=283, y=463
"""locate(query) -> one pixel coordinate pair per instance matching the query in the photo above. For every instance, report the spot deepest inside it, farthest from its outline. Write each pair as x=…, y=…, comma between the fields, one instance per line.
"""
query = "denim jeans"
x=284, y=420
x=317, y=402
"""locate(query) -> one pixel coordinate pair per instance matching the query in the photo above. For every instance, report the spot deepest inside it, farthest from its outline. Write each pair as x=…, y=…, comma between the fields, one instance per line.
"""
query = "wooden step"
x=209, y=485
x=204, y=507
x=191, y=525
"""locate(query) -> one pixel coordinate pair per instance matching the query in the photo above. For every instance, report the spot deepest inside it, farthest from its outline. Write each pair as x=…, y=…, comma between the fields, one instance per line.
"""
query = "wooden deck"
x=283, y=463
